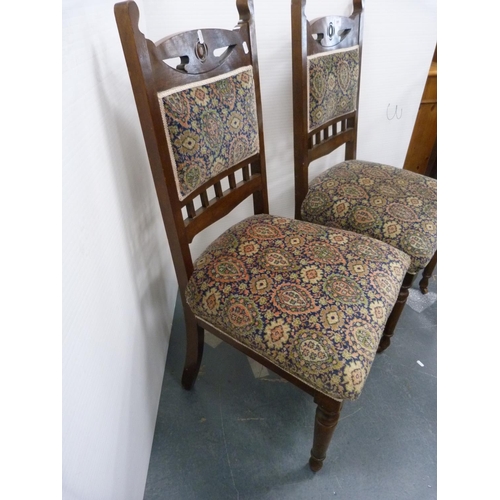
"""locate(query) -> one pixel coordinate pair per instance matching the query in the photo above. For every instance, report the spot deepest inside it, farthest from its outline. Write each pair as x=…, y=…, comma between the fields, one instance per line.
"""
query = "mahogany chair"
x=390, y=204
x=306, y=301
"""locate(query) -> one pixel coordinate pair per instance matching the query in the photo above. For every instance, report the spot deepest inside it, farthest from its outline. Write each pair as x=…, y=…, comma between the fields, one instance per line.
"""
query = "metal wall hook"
x=395, y=114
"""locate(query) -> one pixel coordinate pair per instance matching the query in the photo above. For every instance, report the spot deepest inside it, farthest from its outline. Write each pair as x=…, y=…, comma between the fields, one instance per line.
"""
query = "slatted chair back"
x=326, y=63
x=198, y=99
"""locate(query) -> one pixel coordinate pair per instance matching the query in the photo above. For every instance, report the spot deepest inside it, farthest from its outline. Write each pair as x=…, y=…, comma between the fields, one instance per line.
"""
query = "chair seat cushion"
x=312, y=300
x=390, y=204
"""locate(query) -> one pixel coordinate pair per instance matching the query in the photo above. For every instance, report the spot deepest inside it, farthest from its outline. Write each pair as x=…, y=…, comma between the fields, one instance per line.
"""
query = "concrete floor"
x=245, y=433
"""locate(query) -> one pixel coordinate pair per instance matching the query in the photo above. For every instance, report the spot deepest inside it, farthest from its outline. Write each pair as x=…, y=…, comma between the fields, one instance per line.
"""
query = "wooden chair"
x=308, y=302
x=390, y=204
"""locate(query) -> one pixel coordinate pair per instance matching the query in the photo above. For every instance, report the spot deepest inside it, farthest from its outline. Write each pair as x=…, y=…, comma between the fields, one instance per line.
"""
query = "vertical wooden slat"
x=218, y=190
x=232, y=181
x=246, y=173
x=204, y=199
x=191, y=210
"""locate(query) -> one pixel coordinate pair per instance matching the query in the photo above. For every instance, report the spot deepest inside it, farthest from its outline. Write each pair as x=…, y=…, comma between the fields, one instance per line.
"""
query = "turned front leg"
x=327, y=416
x=385, y=341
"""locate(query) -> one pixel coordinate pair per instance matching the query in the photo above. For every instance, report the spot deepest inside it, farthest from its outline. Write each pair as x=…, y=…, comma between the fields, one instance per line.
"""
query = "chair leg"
x=385, y=341
x=327, y=417
x=195, y=336
x=427, y=273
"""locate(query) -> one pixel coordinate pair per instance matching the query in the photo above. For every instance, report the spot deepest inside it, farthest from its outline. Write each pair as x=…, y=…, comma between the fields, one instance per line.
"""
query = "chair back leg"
x=427, y=273
x=195, y=337
x=390, y=326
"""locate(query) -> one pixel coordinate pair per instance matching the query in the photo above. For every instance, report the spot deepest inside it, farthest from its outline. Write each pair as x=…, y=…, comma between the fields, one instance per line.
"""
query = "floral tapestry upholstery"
x=390, y=204
x=312, y=300
x=210, y=126
x=333, y=85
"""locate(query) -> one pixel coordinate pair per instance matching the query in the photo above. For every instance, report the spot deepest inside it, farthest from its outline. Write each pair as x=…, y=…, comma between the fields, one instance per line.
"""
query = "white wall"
x=118, y=283
x=118, y=286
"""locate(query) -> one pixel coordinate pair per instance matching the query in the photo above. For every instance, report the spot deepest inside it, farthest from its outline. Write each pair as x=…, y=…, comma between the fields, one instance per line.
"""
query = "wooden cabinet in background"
x=422, y=151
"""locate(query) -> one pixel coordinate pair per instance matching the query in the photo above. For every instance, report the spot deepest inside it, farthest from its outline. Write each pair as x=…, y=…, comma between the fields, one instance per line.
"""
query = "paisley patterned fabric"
x=333, y=84
x=210, y=126
x=311, y=299
x=390, y=204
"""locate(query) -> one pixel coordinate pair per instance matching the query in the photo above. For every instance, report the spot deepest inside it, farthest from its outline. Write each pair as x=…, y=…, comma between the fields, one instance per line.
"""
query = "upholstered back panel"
x=210, y=126
x=332, y=85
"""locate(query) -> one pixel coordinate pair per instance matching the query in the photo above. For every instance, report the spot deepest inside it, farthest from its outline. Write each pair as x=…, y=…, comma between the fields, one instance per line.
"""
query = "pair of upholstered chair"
x=308, y=300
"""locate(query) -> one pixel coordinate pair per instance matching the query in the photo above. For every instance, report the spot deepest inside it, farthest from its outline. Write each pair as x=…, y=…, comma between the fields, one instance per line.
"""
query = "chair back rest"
x=198, y=98
x=326, y=64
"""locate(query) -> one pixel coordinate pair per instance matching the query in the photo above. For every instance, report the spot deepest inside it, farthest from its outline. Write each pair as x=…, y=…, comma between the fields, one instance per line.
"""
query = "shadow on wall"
x=149, y=257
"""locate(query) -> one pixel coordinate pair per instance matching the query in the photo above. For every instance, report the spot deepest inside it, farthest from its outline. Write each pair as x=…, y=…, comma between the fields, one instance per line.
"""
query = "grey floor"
x=245, y=433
